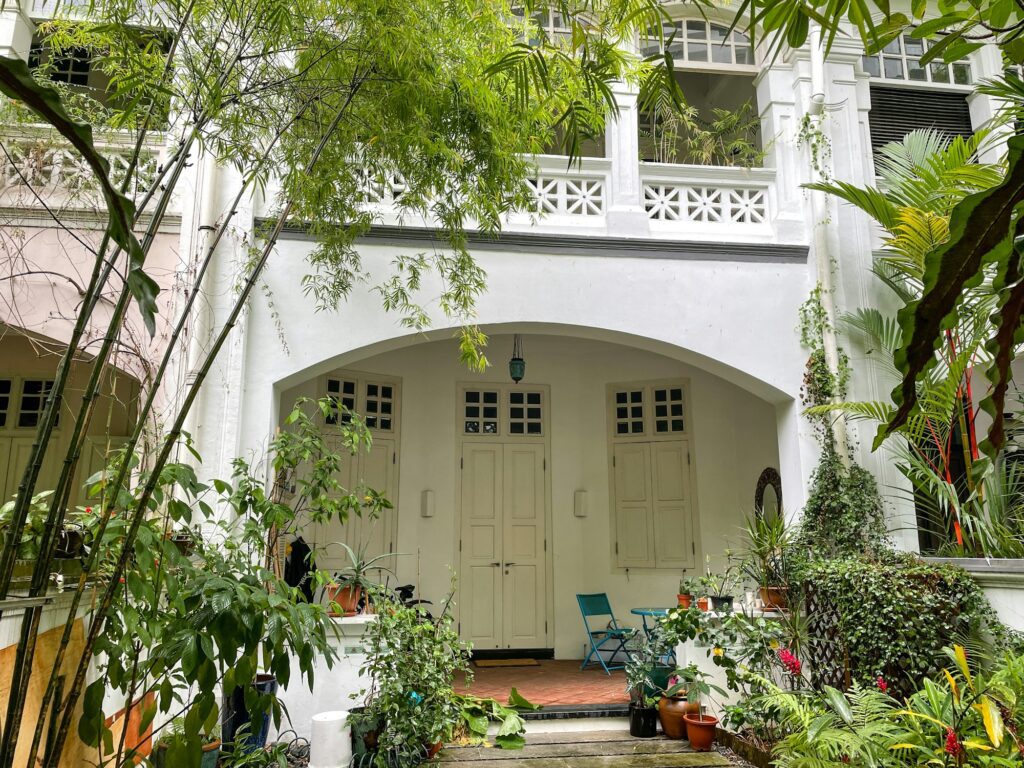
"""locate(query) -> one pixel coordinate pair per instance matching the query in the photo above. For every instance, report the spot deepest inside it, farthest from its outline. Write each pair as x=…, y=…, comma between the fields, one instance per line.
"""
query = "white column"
x=16, y=30
x=626, y=215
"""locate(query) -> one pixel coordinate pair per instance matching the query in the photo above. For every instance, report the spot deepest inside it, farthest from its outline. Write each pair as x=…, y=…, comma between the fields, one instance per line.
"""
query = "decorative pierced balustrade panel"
x=36, y=170
x=826, y=651
x=568, y=195
x=382, y=189
x=705, y=203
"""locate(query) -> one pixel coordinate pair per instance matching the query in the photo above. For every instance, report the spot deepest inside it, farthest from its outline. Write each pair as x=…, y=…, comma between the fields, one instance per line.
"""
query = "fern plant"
x=833, y=729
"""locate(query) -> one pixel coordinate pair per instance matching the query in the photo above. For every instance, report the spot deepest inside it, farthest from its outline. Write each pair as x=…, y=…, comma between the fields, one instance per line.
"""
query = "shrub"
x=895, y=613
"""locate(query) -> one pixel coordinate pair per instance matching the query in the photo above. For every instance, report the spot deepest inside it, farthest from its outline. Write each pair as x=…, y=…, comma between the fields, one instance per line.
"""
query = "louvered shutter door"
x=895, y=112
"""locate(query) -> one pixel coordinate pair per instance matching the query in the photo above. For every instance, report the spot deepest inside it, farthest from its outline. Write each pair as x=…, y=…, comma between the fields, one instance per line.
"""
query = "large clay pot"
x=643, y=721
x=671, y=710
x=346, y=597
x=775, y=598
x=684, y=600
x=701, y=731
x=211, y=754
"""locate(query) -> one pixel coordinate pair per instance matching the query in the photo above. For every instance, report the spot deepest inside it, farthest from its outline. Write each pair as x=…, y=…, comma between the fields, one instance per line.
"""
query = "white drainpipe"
x=199, y=324
x=822, y=229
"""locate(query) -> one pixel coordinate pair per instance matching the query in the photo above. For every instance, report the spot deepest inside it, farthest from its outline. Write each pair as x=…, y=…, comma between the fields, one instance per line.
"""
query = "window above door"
x=655, y=410
x=373, y=398
x=502, y=410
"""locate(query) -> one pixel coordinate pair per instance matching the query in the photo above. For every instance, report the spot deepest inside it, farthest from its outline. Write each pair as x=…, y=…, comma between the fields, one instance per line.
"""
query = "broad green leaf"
x=839, y=703
x=518, y=701
x=993, y=720
x=16, y=82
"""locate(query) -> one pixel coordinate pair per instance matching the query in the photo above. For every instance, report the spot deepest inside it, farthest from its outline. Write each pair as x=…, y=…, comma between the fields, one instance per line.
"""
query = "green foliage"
x=415, y=704
x=843, y=514
x=896, y=613
x=956, y=718
x=186, y=627
x=728, y=138
x=476, y=714
x=924, y=177
x=767, y=558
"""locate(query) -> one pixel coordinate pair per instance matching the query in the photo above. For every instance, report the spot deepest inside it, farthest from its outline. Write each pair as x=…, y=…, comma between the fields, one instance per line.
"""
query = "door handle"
x=495, y=565
x=508, y=564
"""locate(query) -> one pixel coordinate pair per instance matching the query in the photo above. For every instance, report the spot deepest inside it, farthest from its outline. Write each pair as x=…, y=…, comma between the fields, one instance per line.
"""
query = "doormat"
x=483, y=663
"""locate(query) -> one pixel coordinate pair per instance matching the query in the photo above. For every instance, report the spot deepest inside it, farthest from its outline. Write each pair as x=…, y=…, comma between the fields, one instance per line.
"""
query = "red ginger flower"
x=953, y=745
x=882, y=685
x=789, y=661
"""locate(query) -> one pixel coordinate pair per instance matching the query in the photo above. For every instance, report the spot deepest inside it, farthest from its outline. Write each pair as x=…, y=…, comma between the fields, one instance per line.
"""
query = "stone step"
x=589, y=749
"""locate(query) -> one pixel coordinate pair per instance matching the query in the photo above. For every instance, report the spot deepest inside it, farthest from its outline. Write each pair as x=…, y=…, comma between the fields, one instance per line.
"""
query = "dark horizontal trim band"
x=578, y=245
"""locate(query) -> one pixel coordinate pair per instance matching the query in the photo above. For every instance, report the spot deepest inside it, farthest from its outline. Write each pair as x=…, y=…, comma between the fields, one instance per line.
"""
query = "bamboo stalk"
x=51, y=760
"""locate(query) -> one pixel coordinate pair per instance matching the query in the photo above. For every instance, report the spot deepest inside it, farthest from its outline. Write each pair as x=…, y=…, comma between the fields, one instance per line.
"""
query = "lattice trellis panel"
x=826, y=653
x=707, y=204
x=568, y=195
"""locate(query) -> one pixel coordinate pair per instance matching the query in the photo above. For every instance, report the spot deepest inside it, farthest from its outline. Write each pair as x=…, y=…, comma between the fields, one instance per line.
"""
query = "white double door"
x=503, y=573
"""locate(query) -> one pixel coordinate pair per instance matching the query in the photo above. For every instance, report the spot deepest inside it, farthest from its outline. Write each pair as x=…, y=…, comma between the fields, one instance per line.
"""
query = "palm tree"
x=922, y=178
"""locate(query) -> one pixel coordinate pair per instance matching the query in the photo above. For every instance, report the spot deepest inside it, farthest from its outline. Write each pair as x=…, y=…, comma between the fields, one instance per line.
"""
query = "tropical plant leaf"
x=993, y=720
x=16, y=82
x=980, y=233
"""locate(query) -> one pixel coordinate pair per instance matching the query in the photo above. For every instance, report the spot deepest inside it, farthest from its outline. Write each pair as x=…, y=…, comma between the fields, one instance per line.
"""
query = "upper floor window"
x=499, y=410
x=697, y=41
x=901, y=60
x=550, y=23
x=5, y=400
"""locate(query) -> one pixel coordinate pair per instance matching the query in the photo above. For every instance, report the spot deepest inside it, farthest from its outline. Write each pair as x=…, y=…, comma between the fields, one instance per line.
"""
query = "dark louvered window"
x=895, y=112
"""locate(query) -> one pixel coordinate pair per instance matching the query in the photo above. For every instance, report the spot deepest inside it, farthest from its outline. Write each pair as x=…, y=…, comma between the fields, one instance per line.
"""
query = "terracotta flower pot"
x=671, y=710
x=345, y=597
x=775, y=598
x=701, y=731
x=211, y=754
x=684, y=600
x=702, y=603
x=433, y=749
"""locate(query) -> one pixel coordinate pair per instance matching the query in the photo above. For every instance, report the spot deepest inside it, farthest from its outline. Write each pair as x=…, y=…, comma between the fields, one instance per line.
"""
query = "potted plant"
x=410, y=709
x=719, y=588
x=689, y=588
x=766, y=560
x=164, y=749
x=184, y=539
x=700, y=730
x=683, y=697
x=646, y=679
x=349, y=584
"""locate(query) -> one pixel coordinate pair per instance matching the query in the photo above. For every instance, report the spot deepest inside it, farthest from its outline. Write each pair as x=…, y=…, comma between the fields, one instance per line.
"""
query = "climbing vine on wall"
x=844, y=513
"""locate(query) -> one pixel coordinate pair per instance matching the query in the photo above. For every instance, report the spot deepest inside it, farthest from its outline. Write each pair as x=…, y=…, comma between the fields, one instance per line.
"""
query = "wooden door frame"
x=544, y=439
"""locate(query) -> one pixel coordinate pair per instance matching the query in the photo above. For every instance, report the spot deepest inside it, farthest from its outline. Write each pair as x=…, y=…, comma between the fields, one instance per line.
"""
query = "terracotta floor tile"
x=552, y=682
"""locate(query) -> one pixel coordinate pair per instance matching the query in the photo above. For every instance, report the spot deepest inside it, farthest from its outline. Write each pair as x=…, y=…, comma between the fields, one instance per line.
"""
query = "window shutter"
x=895, y=112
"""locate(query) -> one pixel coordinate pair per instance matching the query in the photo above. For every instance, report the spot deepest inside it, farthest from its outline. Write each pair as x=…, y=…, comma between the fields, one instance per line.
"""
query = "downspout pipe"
x=199, y=323
x=823, y=224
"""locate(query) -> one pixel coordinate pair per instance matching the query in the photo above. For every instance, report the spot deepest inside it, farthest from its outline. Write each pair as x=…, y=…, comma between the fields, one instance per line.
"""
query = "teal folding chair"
x=611, y=636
